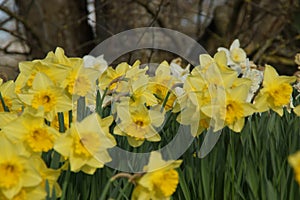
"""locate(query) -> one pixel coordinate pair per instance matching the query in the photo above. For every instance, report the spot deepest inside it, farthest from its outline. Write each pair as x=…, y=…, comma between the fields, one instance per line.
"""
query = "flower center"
x=139, y=123
x=137, y=131
x=40, y=140
x=87, y=144
x=165, y=181
x=44, y=98
x=281, y=94
x=80, y=149
x=10, y=173
x=234, y=111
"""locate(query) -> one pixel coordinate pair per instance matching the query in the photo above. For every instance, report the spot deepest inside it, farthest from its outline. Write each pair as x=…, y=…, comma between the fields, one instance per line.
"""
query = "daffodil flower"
x=159, y=181
x=29, y=69
x=276, y=91
x=256, y=78
x=230, y=111
x=81, y=81
x=47, y=174
x=215, y=70
x=97, y=63
x=16, y=171
x=31, y=133
x=32, y=193
x=297, y=110
x=177, y=71
x=9, y=97
x=162, y=84
x=85, y=144
x=235, y=55
x=45, y=94
x=110, y=78
x=294, y=161
x=138, y=124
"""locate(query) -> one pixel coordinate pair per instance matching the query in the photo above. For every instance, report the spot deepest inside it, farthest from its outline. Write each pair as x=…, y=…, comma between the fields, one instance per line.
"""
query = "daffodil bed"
x=62, y=117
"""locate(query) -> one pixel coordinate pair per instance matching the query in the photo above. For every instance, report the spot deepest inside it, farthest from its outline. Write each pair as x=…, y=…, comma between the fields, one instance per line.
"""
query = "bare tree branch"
x=20, y=19
x=154, y=14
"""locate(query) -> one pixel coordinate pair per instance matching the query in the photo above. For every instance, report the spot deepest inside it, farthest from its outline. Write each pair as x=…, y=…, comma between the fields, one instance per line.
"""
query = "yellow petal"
x=297, y=110
x=238, y=125
x=269, y=74
x=205, y=60
x=41, y=82
x=133, y=142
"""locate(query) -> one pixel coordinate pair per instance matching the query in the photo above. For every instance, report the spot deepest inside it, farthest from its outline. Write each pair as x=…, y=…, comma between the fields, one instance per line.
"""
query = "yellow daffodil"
x=44, y=94
x=193, y=116
x=59, y=58
x=139, y=93
x=294, y=161
x=196, y=95
x=47, y=174
x=29, y=69
x=215, y=70
x=235, y=55
x=9, y=97
x=137, y=124
x=297, y=110
x=32, y=193
x=6, y=118
x=160, y=180
x=111, y=77
x=276, y=91
x=162, y=84
x=232, y=110
x=16, y=171
x=85, y=144
x=81, y=81
x=31, y=133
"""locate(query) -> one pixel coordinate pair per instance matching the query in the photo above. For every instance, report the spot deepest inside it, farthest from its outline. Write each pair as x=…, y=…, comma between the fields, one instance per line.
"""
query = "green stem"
x=55, y=160
x=61, y=121
x=106, y=188
x=81, y=109
x=165, y=101
x=70, y=117
x=121, y=192
x=5, y=108
x=65, y=184
x=99, y=102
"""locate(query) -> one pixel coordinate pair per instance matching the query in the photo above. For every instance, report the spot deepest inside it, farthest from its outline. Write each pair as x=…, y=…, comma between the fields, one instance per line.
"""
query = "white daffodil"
x=256, y=78
x=97, y=63
x=177, y=71
x=235, y=55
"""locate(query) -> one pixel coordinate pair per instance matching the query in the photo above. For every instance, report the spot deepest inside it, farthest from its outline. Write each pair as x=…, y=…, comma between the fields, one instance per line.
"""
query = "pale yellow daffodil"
x=294, y=161
x=85, y=144
x=276, y=91
x=138, y=124
x=16, y=171
x=45, y=94
x=160, y=180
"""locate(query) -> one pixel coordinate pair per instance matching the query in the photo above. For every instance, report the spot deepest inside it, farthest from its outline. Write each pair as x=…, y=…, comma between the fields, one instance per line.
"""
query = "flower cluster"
x=56, y=107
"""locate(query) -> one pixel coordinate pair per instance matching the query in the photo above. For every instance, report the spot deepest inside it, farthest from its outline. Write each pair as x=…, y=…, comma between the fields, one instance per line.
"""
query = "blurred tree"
x=268, y=30
x=56, y=23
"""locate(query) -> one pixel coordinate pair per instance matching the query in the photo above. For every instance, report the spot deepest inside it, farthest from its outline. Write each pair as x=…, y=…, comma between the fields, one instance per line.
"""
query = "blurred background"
x=268, y=30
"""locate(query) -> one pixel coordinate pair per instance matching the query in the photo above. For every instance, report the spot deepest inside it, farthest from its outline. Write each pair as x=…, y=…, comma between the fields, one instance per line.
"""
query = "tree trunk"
x=56, y=23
